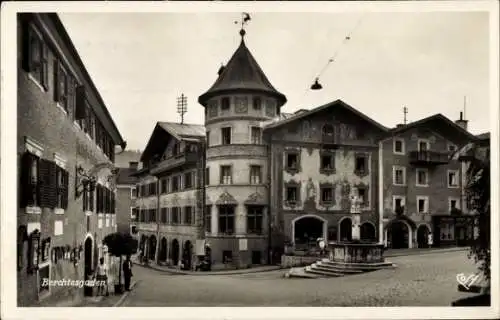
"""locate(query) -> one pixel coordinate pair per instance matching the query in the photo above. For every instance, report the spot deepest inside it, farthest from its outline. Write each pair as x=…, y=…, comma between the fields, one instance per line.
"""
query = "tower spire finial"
x=245, y=17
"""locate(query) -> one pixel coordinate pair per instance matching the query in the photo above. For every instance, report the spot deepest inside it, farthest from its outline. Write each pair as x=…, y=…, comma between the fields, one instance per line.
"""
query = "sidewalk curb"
x=421, y=253
x=213, y=273
x=125, y=295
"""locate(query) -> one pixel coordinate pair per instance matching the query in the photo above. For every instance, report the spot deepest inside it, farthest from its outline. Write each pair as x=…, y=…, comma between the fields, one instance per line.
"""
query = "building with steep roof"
x=169, y=206
x=66, y=142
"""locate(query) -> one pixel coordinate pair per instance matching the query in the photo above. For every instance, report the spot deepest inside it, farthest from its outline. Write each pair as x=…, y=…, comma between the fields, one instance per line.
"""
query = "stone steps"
x=335, y=268
x=359, y=266
x=320, y=270
x=327, y=268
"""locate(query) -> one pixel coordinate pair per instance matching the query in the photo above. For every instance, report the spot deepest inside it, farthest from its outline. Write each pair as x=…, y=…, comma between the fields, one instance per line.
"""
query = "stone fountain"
x=347, y=257
x=356, y=250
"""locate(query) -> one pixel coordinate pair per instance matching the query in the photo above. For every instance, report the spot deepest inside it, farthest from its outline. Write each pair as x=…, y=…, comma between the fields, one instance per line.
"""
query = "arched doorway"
x=367, y=232
x=398, y=234
x=152, y=247
x=423, y=236
x=162, y=255
x=186, y=256
x=345, y=227
x=307, y=229
x=175, y=252
x=87, y=256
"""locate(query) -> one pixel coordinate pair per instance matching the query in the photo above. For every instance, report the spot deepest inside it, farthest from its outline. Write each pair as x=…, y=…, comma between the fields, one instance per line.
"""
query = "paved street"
x=419, y=280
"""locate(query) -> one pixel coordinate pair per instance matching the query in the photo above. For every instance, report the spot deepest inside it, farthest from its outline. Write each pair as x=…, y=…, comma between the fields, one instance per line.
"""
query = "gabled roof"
x=483, y=136
x=242, y=73
x=125, y=176
x=183, y=130
x=440, y=121
x=334, y=104
x=163, y=131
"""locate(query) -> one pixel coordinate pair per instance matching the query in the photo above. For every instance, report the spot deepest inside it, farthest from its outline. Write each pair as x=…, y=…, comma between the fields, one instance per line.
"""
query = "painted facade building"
x=126, y=194
x=65, y=144
x=169, y=201
x=319, y=160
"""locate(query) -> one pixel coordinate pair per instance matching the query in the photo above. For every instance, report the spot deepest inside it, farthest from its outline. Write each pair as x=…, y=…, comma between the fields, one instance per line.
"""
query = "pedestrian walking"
x=127, y=272
x=429, y=239
x=102, y=277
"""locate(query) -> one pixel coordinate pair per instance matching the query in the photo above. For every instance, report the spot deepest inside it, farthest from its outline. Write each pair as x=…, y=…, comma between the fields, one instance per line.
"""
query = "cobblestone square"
x=419, y=280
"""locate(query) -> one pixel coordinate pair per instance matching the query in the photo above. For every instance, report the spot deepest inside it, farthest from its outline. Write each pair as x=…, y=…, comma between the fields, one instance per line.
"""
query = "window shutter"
x=80, y=98
x=112, y=202
x=85, y=199
x=105, y=200
x=65, y=175
x=57, y=87
x=44, y=182
x=45, y=67
x=27, y=33
x=98, y=196
x=51, y=189
x=91, y=199
x=26, y=196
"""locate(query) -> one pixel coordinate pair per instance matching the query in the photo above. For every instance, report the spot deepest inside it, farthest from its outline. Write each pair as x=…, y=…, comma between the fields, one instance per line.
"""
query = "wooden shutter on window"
x=51, y=187
x=26, y=43
x=45, y=67
x=80, y=102
x=85, y=200
x=65, y=195
x=112, y=202
x=98, y=198
x=57, y=87
x=26, y=185
x=44, y=182
x=91, y=200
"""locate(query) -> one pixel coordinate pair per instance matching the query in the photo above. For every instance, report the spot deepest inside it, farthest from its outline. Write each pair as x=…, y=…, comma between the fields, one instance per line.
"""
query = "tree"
x=119, y=245
x=477, y=191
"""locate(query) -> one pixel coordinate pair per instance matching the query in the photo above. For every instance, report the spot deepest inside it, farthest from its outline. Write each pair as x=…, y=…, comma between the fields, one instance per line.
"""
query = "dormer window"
x=225, y=103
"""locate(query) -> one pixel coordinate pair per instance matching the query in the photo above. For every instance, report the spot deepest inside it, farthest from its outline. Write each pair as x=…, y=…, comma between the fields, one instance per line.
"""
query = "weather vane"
x=245, y=17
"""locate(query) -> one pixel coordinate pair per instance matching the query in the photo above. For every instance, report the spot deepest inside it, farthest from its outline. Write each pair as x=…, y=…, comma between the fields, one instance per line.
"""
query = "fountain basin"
x=356, y=252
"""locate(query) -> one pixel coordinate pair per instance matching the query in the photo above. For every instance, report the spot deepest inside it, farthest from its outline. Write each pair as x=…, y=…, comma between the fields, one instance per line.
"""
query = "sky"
x=425, y=61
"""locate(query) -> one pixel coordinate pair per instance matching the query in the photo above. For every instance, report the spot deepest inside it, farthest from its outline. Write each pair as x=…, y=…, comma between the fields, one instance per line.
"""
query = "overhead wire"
x=334, y=56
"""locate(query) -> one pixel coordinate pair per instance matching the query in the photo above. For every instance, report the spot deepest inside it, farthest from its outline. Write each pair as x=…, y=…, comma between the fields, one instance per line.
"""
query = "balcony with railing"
x=170, y=163
x=427, y=157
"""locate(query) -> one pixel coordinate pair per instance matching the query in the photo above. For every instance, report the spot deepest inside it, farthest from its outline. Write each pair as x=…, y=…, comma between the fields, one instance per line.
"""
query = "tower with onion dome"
x=236, y=105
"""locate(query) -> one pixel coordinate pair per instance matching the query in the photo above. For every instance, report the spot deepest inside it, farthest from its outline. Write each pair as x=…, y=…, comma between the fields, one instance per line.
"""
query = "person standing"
x=429, y=240
x=127, y=272
x=102, y=277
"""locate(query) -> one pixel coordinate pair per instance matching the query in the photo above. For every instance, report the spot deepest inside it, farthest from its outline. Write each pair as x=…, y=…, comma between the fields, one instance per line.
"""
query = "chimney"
x=462, y=122
x=133, y=165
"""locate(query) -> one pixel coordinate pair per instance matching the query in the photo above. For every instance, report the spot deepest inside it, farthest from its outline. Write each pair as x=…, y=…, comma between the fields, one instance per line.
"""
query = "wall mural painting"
x=310, y=201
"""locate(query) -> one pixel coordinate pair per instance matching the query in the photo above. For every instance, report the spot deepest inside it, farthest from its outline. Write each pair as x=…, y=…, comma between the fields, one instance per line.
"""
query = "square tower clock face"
x=241, y=104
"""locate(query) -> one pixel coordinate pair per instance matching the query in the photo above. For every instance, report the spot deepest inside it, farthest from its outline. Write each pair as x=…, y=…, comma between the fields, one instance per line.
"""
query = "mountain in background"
x=122, y=159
